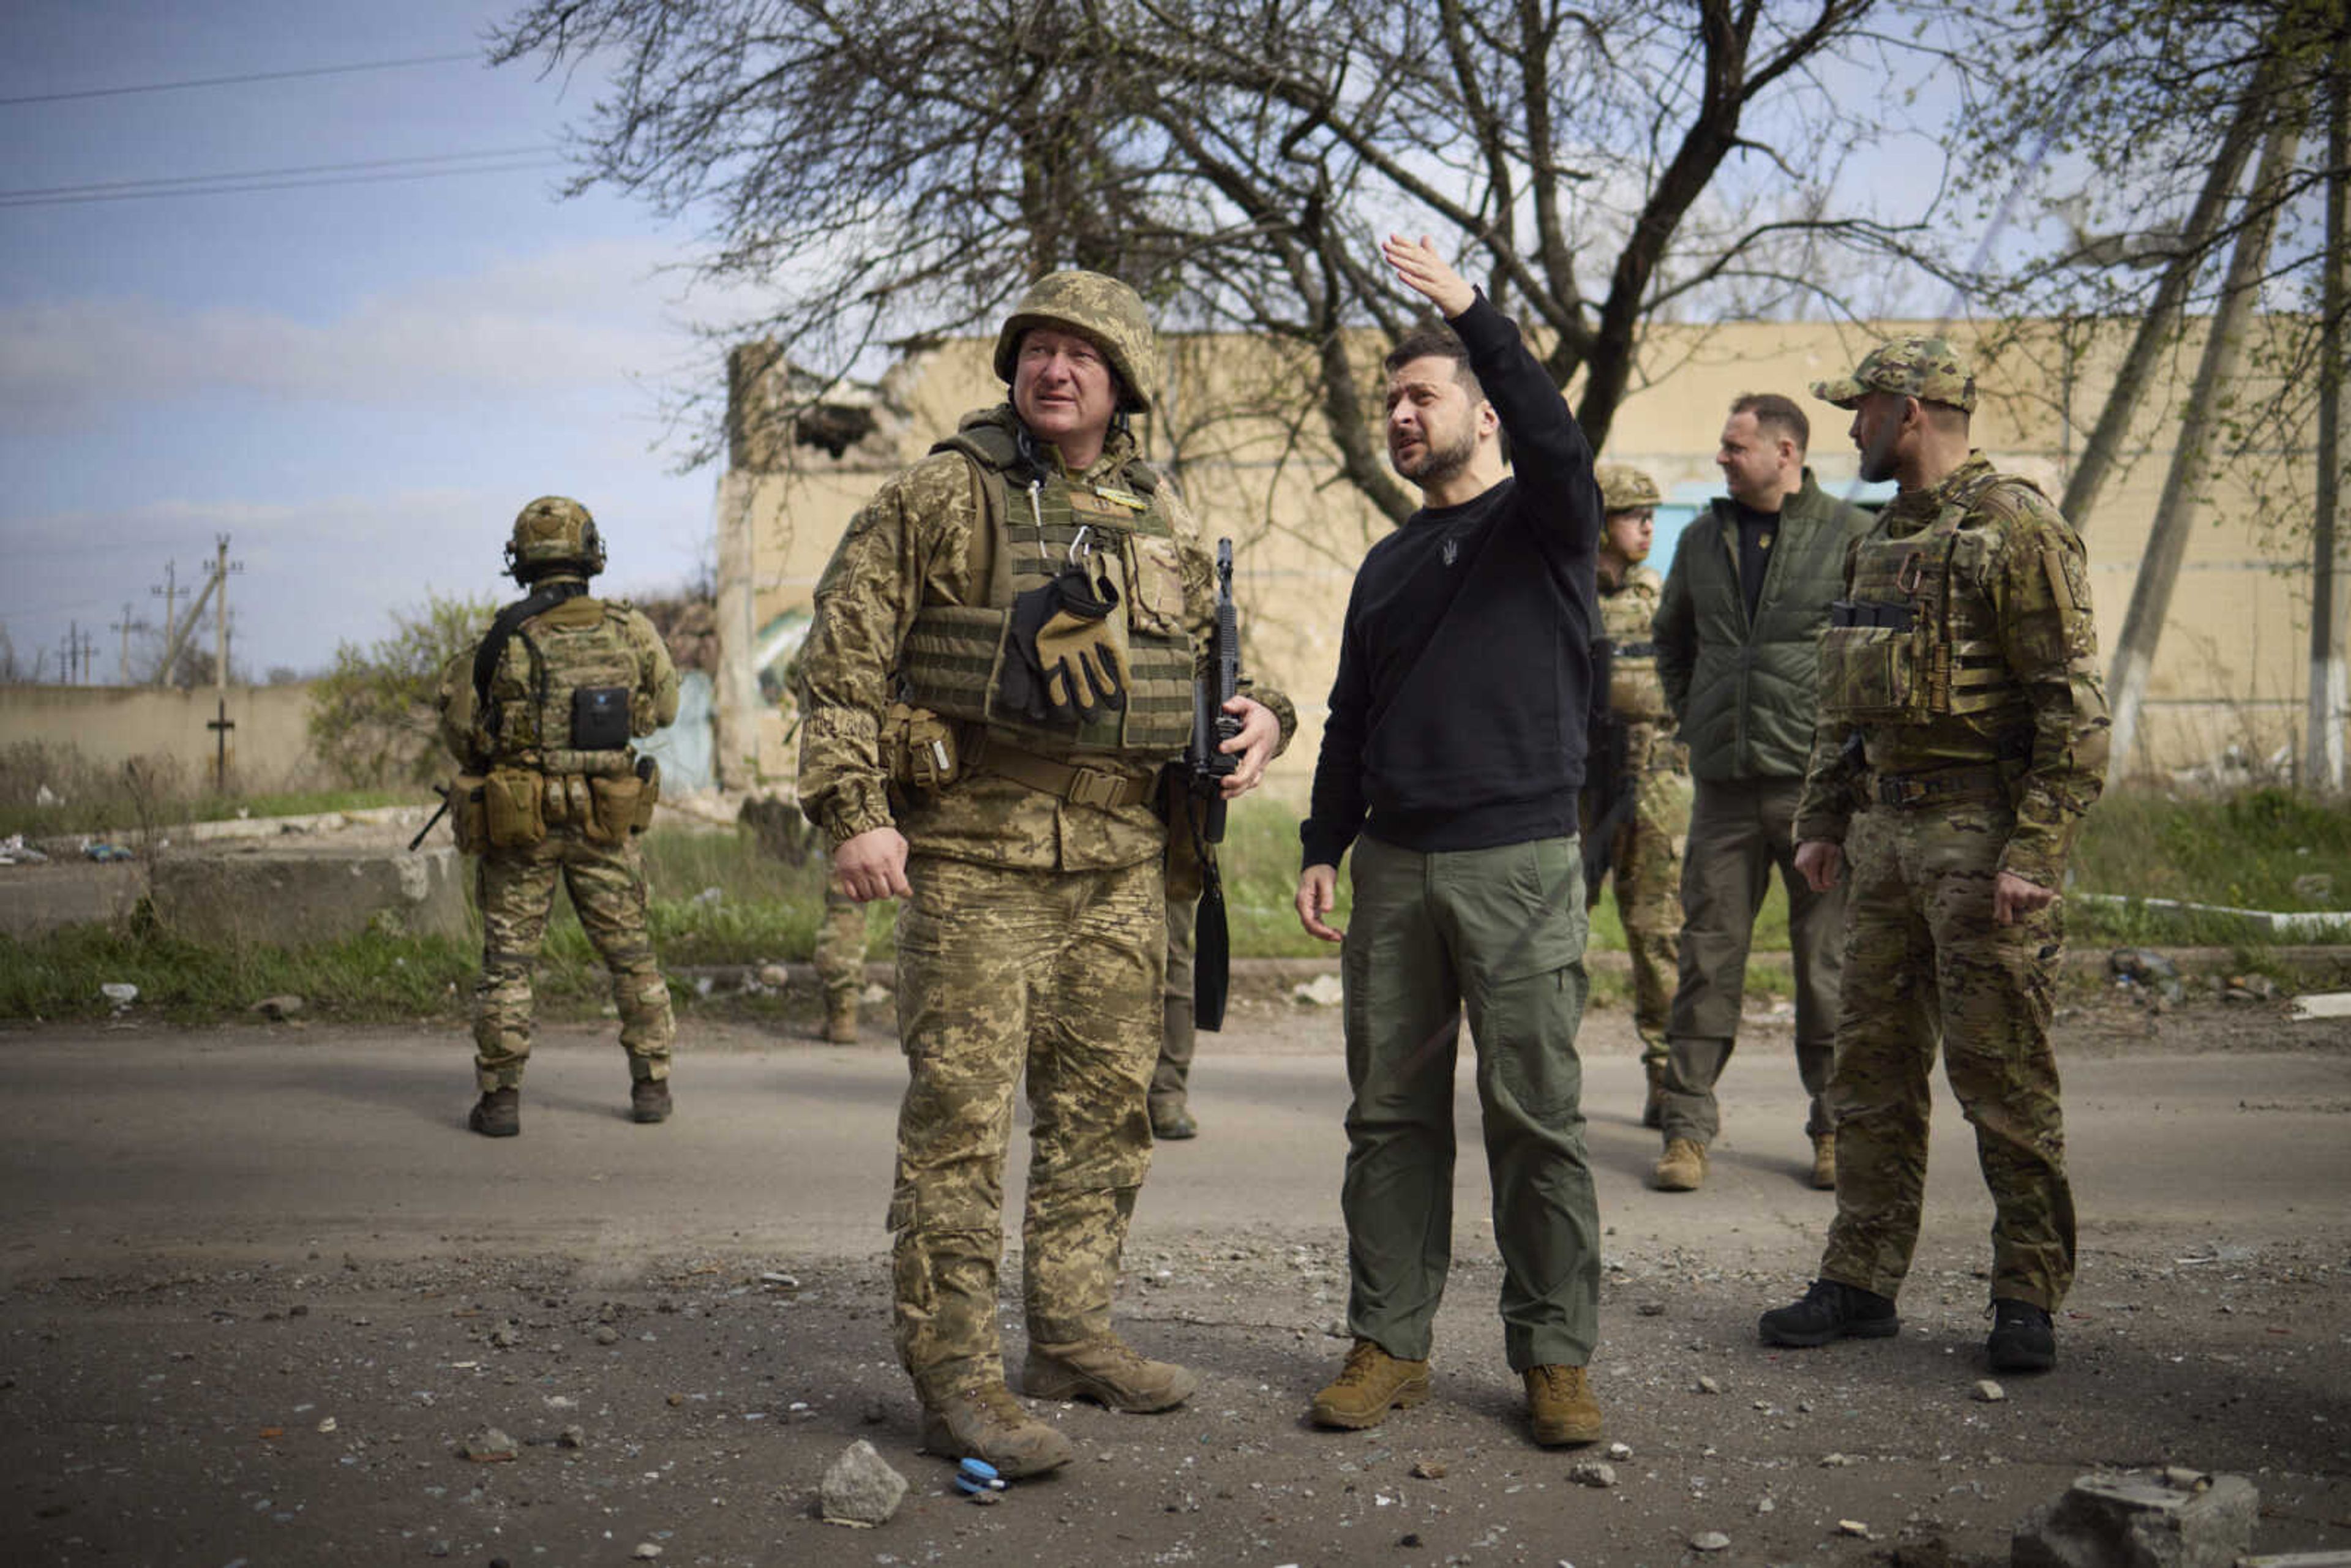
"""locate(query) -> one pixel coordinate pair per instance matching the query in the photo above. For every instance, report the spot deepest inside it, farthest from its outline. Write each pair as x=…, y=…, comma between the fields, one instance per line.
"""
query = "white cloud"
x=585, y=318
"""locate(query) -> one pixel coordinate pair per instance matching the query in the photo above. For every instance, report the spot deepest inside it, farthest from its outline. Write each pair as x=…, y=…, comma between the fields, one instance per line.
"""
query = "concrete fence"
x=267, y=746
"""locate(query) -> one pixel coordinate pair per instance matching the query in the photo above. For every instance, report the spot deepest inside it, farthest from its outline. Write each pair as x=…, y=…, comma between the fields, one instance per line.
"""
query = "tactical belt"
x=1939, y=787
x=1079, y=786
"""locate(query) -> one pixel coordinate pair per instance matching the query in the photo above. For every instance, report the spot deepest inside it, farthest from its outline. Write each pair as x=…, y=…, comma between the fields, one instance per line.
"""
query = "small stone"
x=861, y=1488
x=607, y=1335
x=1833, y=1461
x=1852, y=1527
x=876, y=1411
x=1592, y=1473
x=504, y=1337
x=1709, y=1541
x=647, y=1551
x=1708, y=1385
x=675, y=1400
x=572, y=1438
x=488, y=1445
x=1620, y=1452
x=1651, y=1309
x=985, y=1499
x=1764, y=1505
x=278, y=1007
x=775, y=975
x=1989, y=1392
x=326, y=1424
x=1429, y=1470
x=1409, y=1540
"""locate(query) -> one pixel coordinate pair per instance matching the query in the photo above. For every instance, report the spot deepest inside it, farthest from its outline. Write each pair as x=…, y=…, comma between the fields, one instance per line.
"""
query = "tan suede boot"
x=1683, y=1166
x=1109, y=1372
x=1825, y=1161
x=841, y=1020
x=988, y=1424
x=1368, y=1386
x=1561, y=1406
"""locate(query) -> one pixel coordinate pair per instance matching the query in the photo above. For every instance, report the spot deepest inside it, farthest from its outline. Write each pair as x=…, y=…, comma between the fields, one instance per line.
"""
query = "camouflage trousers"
x=1645, y=865
x=840, y=946
x=1003, y=971
x=516, y=890
x=1924, y=959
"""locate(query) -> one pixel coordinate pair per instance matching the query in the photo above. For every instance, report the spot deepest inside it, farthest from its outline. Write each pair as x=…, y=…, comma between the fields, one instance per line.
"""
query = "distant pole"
x=168, y=592
x=2322, y=737
x=66, y=659
x=220, y=629
x=122, y=670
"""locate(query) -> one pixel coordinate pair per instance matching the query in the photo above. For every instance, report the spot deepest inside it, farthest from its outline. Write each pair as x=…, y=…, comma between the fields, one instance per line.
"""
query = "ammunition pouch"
x=468, y=815
x=1877, y=661
x=612, y=811
x=513, y=816
x=918, y=749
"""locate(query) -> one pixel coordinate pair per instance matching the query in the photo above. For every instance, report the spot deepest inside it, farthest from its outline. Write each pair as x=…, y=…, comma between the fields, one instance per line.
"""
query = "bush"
x=372, y=717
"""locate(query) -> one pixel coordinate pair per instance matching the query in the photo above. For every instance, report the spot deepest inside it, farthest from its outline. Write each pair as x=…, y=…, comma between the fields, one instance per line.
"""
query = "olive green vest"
x=955, y=655
x=1910, y=643
x=581, y=642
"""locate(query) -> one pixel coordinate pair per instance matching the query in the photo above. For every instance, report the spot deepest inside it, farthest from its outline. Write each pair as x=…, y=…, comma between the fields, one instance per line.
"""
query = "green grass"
x=119, y=814
x=720, y=899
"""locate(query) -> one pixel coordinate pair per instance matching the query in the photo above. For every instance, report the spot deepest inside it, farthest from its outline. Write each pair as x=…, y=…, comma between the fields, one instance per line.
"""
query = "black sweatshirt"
x=1465, y=668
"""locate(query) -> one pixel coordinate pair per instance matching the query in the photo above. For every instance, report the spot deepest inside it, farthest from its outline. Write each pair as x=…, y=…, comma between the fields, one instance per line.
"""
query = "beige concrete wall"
x=268, y=750
x=2234, y=652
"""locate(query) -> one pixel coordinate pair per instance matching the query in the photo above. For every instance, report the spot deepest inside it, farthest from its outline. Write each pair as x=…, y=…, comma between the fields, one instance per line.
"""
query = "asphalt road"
x=267, y=1142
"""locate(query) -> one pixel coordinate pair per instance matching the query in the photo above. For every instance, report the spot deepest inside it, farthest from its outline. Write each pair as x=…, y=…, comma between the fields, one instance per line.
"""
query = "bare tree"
x=894, y=169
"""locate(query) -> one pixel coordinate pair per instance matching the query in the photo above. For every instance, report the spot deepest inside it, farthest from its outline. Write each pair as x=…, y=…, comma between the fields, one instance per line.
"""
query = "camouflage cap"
x=1928, y=369
x=551, y=532
x=1099, y=307
x=1625, y=488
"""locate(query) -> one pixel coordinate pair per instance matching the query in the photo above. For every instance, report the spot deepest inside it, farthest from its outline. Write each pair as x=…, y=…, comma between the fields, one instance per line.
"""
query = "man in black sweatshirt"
x=1455, y=750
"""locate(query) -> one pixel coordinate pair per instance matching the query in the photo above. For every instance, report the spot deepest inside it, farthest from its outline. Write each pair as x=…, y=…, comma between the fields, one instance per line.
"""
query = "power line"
x=292, y=185
x=238, y=80
x=161, y=183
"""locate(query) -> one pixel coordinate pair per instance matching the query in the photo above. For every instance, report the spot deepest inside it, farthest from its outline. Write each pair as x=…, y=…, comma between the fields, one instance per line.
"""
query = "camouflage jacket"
x=534, y=696
x=909, y=548
x=2023, y=577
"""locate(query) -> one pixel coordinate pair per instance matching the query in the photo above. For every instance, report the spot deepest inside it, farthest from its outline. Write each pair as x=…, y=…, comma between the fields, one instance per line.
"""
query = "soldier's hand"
x=1426, y=274
x=1318, y=895
x=1260, y=733
x=1821, y=863
x=2013, y=898
x=873, y=865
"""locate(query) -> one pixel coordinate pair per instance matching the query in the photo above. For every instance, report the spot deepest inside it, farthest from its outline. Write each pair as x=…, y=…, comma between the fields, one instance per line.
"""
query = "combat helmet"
x=1107, y=311
x=1625, y=488
x=551, y=534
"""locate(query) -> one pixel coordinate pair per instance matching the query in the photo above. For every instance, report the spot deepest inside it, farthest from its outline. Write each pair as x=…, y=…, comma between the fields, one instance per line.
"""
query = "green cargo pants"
x=1498, y=932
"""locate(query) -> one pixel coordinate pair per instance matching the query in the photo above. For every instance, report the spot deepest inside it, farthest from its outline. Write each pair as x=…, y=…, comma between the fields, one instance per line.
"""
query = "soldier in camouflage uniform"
x=1964, y=734
x=1645, y=858
x=539, y=716
x=841, y=962
x=1001, y=662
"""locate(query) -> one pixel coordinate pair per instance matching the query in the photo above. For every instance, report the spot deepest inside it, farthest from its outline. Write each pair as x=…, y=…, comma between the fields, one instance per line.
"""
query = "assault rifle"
x=1609, y=793
x=1205, y=769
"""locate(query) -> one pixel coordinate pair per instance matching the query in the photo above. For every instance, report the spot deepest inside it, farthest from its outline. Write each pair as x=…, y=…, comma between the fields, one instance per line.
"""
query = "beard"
x=1438, y=460
x=1876, y=464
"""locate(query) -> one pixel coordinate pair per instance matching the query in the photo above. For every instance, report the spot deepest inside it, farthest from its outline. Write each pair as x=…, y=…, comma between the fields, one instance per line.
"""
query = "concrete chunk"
x=861, y=1488
x=2171, y=1518
x=293, y=896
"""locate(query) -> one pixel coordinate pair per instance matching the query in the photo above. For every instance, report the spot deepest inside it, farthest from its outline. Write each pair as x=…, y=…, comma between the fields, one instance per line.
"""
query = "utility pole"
x=220, y=616
x=126, y=626
x=168, y=592
x=2322, y=734
x=67, y=672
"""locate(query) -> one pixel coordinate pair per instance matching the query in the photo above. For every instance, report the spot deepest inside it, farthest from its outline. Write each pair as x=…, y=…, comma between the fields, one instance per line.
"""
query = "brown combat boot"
x=841, y=1020
x=1559, y=1405
x=1173, y=1123
x=1108, y=1372
x=1372, y=1384
x=497, y=1115
x=1825, y=1161
x=649, y=1100
x=1683, y=1166
x=989, y=1425
x=1652, y=1108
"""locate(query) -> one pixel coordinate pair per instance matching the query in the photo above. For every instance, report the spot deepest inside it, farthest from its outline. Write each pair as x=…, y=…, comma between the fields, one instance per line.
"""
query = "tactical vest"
x=954, y=653
x=1904, y=648
x=1635, y=694
x=581, y=645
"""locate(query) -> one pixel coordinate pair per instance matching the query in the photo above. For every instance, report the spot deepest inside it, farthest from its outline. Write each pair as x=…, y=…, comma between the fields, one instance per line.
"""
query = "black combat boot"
x=498, y=1113
x=1830, y=1310
x=649, y=1100
x=2023, y=1338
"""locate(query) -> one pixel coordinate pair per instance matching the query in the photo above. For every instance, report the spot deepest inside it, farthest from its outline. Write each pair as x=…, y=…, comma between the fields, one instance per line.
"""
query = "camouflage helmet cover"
x=1928, y=369
x=554, y=531
x=1099, y=307
x=1625, y=488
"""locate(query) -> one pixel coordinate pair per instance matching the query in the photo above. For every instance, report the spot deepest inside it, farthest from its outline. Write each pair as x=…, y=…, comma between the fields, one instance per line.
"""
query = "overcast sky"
x=359, y=379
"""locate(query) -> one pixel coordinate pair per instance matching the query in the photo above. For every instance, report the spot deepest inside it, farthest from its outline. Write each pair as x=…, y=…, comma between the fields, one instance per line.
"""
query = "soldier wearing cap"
x=1962, y=736
x=1646, y=810
x=1002, y=662
x=540, y=715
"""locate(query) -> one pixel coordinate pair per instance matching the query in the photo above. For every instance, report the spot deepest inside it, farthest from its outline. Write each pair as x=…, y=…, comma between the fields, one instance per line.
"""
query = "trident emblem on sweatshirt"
x=1451, y=553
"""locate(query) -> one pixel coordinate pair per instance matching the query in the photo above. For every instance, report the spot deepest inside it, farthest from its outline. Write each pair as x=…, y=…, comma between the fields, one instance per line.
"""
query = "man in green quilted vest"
x=539, y=715
x=1962, y=734
x=1000, y=667
x=1738, y=632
